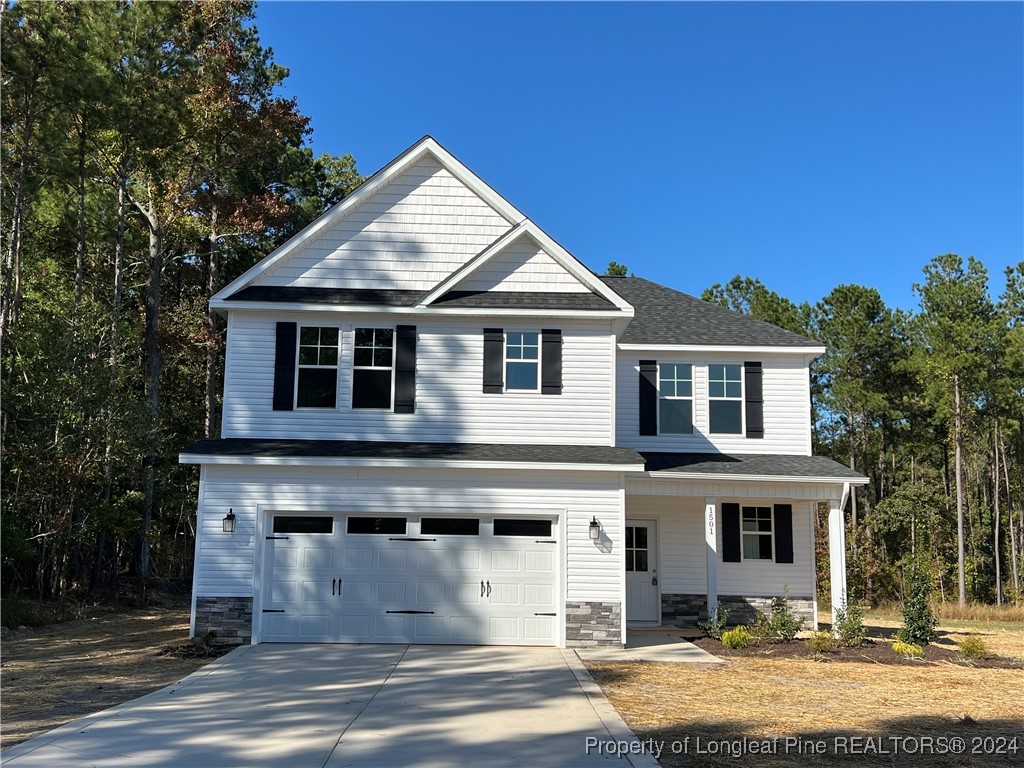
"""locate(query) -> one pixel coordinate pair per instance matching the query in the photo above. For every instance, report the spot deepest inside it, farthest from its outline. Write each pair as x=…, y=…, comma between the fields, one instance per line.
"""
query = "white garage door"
x=381, y=579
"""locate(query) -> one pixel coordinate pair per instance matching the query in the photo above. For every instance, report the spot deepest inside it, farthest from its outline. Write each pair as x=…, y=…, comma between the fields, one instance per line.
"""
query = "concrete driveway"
x=329, y=706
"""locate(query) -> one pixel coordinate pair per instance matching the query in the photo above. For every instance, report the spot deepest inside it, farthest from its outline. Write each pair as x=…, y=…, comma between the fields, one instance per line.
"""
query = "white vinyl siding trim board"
x=787, y=406
x=450, y=403
x=226, y=562
x=410, y=235
x=682, y=551
x=523, y=266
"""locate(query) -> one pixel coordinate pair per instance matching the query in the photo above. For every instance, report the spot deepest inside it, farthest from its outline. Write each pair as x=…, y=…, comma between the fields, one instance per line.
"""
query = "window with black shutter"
x=373, y=367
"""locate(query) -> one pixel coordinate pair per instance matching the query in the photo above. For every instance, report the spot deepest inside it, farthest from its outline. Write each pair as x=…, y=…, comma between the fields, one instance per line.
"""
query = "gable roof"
x=425, y=147
x=777, y=467
x=666, y=317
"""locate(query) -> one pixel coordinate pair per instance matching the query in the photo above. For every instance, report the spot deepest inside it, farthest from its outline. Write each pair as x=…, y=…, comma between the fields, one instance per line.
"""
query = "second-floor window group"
x=316, y=384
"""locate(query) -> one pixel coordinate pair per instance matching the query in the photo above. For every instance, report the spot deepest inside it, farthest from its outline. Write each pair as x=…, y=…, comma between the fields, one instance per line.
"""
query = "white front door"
x=410, y=579
x=643, y=598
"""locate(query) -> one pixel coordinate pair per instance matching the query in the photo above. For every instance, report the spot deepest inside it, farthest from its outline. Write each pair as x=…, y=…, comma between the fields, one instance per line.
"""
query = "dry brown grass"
x=56, y=674
x=765, y=698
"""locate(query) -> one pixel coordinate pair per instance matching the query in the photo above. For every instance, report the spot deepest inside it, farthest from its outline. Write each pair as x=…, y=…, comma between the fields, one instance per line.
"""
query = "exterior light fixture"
x=595, y=530
x=229, y=521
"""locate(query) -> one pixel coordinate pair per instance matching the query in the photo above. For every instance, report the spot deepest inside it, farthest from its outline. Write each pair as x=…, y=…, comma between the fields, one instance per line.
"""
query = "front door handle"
x=654, y=581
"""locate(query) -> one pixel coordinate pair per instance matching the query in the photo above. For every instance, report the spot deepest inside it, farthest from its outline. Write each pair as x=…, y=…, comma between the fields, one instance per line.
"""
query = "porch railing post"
x=711, y=547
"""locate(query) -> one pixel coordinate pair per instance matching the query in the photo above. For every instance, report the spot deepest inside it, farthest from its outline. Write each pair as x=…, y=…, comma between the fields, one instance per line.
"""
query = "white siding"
x=523, y=266
x=410, y=235
x=225, y=565
x=683, y=558
x=787, y=406
x=450, y=403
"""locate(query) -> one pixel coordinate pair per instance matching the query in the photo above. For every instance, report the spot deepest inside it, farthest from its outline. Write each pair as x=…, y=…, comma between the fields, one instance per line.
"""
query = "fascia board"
x=280, y=306
x=751, y=348
x=351, y=461
x=666, y=475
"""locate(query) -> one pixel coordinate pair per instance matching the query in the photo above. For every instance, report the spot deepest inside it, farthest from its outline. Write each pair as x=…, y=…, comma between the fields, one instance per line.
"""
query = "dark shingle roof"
x=337, y=296
x=667, y=316
x=524, y=300
x=753, y=464
x=372, y=449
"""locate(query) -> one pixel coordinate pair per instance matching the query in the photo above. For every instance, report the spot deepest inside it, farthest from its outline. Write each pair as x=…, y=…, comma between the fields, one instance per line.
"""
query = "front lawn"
x=923, y=713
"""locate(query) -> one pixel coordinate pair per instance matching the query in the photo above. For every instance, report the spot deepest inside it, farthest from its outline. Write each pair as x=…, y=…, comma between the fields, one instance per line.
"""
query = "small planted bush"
x=972, y=647
x=736, y=638
x=849, y=626
x=820, y=642
x=918, y=620
x=908, y=650
x=785, y=624
x=714, y=625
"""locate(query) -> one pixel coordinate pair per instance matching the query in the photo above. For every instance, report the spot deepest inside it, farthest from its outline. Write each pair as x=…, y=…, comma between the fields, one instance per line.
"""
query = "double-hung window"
x=373, y=364
x=675, y=399
x=725, y=399
x=757, y=533
x=522, y=361
x=317, y=385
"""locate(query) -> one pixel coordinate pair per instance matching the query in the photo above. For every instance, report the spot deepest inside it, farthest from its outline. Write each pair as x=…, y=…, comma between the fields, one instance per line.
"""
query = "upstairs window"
x=725, y=399
x=373, y=367
x=522, y=361
x=675, y=399
x=317, y=385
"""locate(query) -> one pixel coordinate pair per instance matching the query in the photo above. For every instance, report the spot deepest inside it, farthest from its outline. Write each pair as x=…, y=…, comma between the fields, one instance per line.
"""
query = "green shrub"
x=736, y=638
x=820, y=642
x=908, y=650
x=784, y=623
x=849, y=628
x=972, y=647
x=918, y=620
x=714, y=625
x=761, y=629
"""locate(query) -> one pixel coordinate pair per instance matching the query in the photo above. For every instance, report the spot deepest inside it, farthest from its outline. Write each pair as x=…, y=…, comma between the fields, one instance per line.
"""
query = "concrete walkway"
x=334, y=706
x=655, y=644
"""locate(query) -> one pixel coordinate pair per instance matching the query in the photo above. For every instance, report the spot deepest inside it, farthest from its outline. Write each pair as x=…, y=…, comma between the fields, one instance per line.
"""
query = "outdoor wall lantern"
x=229, y=521
x=595, y=530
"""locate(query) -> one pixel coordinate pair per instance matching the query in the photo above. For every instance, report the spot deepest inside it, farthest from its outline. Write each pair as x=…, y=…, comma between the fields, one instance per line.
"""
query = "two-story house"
x=440, y=427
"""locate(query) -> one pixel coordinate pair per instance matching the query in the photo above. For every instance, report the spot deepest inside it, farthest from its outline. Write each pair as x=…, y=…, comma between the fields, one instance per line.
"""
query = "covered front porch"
x=736, y=531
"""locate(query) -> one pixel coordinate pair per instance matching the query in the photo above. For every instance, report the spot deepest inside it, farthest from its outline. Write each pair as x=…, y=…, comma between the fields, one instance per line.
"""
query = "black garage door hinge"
x=408, y=611
x=273, y=610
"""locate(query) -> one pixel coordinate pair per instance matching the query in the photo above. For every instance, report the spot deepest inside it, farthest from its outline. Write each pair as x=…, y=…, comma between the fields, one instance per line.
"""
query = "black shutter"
x=648, y=397
x=284, y=367
x=405, y=369
x=754, y=396
x=783, y=533
x=494, y=355
x=731, y=533
x=551, y=362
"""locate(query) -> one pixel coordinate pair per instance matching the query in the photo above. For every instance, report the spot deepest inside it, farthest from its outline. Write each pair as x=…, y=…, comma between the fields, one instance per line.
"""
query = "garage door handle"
x=481, y=588
x=545, y=614
x=488, y=589
x=333, y=581
x=408, y=611
x=273, y=610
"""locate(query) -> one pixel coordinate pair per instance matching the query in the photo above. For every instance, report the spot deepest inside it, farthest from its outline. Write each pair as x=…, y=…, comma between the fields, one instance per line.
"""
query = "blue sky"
x=807, y=144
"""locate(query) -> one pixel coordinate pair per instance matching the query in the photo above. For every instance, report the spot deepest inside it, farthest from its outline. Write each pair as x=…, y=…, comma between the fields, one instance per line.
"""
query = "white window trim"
x=505, y=361
x=691, y=398
x=741, y=400
x=770, y=534
x=299, y=366
x=352, y=380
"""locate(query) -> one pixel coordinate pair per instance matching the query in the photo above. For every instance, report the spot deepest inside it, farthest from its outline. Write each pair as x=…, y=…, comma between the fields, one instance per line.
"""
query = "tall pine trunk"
x=152, y=386
x=212, y=346
x=958, y=442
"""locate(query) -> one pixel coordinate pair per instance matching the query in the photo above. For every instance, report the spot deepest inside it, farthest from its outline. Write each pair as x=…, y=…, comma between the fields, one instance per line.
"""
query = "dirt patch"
x=53, y=675
x=872, y=651
x=778, y=692
x=775, y=698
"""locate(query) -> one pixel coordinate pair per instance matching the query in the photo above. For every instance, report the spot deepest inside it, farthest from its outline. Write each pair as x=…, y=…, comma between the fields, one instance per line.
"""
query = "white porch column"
x=837, y=551
x=711, y=547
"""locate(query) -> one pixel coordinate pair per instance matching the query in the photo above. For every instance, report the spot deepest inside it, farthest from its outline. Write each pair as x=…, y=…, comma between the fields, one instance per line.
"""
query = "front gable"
x=423, y=224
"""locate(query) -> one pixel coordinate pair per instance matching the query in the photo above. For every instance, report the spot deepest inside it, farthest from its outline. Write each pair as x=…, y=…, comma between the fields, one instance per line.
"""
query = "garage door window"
x=521, y=527
x=298, y=524
x=376, y=525
x=450, y=526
